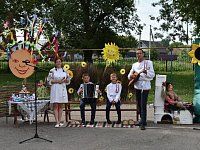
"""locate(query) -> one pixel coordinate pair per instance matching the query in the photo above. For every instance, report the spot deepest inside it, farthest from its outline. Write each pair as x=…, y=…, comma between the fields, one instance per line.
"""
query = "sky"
x=144, y=9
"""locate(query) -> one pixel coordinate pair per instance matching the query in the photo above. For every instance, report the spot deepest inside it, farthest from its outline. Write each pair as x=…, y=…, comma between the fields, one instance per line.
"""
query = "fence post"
x=166, y=65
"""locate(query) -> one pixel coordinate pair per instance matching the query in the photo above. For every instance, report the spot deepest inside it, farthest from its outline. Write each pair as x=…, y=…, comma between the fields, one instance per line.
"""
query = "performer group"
x=140, y=75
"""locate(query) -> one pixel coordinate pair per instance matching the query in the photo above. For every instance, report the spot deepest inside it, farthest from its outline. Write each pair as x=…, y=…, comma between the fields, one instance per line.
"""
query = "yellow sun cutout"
x=195, y=54
x=110, y=53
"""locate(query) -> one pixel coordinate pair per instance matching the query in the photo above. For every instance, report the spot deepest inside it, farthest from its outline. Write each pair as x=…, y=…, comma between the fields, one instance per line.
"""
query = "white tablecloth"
x=29, y=107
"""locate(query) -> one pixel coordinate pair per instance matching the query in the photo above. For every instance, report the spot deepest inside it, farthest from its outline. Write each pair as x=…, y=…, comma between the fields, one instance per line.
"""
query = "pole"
x=150, y=43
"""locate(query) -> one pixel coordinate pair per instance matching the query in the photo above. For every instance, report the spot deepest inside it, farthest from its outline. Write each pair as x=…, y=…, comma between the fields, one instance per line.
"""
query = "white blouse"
x=114, y=91
x=144, y=79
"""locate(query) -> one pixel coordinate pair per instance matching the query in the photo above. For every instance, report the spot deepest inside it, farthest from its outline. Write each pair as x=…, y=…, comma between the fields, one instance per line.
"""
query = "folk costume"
x=142, y=86
x=113, y=98
x=83, y=102
x=58, y=91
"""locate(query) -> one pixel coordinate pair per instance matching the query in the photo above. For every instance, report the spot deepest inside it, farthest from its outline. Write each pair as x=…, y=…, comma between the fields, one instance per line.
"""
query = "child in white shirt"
x=113, y=97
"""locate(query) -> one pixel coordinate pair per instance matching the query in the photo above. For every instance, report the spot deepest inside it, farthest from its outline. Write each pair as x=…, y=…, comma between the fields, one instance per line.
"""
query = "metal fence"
x=181, y=63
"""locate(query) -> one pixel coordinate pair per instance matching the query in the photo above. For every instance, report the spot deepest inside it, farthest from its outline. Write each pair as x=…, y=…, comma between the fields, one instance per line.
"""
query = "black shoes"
x=109, y=122
x=118, y=122
x=83, y=123
x=140, y=124
x=92, y=122
x=142, y=127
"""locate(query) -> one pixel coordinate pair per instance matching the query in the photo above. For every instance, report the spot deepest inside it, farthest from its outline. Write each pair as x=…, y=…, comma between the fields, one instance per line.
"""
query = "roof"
x=153, y=43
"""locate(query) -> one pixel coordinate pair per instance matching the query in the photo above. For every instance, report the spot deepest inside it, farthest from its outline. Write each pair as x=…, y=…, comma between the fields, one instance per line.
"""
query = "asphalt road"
x=154, y=138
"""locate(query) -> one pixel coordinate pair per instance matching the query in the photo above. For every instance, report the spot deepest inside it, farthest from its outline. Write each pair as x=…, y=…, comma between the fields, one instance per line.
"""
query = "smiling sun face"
x=111, y=53
x=195, y=54
x=18, y=67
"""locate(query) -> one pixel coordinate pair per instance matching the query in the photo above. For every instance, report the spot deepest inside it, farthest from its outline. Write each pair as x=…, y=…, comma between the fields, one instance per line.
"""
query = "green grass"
x=183, y=82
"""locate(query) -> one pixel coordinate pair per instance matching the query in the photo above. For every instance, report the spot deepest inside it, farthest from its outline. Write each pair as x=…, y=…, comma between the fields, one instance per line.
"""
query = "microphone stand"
x=36, y=125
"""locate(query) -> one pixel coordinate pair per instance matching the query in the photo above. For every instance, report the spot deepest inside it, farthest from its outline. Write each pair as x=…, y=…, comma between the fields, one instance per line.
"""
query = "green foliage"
x=176, y=44
x=154, y=54
x=174, y=13
x=165, y=42
x=91, y=24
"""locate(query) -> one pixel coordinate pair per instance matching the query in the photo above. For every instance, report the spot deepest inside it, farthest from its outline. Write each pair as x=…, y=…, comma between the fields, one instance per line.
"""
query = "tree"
x=84, y=22
x=176, y=44
x=165, y=42
x=11, y=10
x=174, y=13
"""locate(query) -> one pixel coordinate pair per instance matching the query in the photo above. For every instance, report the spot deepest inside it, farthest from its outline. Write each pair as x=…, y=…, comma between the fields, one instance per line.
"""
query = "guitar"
x=135, y=76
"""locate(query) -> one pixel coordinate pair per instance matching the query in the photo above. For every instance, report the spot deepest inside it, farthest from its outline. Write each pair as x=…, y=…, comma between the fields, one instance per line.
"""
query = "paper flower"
x=83, y=64
x=66, y=67
x=195, y=54
x=71, y=90
x=101, y=99
x=130, y=95
x=122, y=71
x=110, y=53
x=70, y=73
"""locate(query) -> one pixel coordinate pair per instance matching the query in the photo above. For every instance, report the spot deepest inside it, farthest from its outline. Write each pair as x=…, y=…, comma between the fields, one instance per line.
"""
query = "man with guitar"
x=140, y=75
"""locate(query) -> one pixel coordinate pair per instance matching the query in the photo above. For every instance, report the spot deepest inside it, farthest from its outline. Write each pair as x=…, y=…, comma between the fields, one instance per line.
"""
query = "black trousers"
x=141, y=98
x=117, y=106
x=92, y=102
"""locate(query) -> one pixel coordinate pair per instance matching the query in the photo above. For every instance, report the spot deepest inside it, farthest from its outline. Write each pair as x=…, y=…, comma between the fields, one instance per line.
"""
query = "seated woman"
x=173, y=101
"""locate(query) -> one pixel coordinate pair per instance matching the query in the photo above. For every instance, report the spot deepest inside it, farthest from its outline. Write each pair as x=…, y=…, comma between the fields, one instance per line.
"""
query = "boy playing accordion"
x=85, y=90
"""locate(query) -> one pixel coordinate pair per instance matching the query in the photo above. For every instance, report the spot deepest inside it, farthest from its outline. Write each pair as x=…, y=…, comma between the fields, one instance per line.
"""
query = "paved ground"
x=156, y=137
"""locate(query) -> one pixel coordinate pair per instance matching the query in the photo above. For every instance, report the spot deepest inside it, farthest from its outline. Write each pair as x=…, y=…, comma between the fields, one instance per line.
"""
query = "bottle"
x=96, y=91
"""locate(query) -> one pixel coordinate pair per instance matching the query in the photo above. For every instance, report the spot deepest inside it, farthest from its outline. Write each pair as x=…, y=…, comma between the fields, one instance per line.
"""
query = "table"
x=28, y=107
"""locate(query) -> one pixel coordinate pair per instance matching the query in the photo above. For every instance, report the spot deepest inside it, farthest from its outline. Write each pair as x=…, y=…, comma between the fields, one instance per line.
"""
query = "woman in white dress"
x=58, y=79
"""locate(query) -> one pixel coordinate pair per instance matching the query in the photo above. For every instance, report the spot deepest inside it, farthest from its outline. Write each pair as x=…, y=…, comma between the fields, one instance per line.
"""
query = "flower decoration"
x=66, y=67
x=122, y=71
x=110, y=53
x=83, y=64
x=195, y=54
x=70, y=73
x=101, y=99
x=71, y=90
x=130, y=95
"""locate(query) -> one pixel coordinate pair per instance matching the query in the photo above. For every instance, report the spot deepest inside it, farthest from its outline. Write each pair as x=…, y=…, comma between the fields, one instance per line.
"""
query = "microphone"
x=26, y=61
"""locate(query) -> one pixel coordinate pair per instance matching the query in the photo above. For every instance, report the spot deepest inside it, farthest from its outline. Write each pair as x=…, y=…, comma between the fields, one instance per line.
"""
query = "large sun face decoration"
x=110, y=53
x=195, y=54
x=18, y=66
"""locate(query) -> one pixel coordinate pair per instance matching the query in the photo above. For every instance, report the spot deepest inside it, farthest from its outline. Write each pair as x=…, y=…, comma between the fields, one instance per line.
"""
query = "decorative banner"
x=195, y=54
x=110, y=53
x=18, y=66
x=31, y=36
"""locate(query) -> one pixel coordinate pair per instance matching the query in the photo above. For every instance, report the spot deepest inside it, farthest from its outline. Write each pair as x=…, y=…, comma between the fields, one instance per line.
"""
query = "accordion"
x=90, y=91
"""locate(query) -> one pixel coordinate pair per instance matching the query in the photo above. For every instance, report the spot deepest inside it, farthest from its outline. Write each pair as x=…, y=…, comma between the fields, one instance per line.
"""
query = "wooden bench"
x=68, y=109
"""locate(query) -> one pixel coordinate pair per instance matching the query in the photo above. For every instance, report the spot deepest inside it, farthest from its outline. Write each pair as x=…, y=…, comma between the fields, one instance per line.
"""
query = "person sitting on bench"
x=113, y=97
x=172, y=101
x=90, y=100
